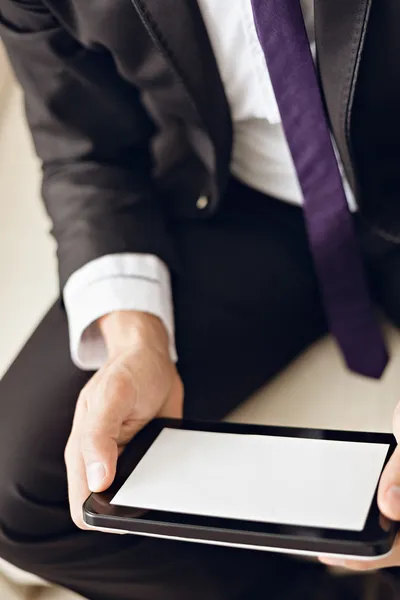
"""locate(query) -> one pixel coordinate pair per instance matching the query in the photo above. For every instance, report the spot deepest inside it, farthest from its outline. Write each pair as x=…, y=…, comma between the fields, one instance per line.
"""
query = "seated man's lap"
x=246, y=303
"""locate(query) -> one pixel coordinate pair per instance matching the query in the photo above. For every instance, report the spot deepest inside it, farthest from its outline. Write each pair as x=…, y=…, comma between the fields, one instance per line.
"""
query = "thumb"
x=100, y=455
x=389, y=491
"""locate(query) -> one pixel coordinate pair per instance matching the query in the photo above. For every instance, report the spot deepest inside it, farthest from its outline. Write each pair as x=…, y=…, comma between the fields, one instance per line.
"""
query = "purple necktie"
x=337, y=256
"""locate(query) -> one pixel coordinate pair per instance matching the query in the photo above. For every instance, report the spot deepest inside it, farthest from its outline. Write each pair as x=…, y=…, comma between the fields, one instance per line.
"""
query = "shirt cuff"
x=113, y=283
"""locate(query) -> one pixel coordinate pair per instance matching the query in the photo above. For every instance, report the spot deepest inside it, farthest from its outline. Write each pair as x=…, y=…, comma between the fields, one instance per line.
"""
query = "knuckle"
x=114, y=391
x=113, y=384
x=118, y=385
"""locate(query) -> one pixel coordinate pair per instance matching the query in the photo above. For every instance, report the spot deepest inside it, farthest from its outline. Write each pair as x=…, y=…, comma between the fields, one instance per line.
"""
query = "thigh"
x=37, y=402
x=247, y=300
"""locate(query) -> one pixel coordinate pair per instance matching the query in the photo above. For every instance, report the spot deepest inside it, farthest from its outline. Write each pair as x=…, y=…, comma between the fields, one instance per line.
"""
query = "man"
x=174, y=170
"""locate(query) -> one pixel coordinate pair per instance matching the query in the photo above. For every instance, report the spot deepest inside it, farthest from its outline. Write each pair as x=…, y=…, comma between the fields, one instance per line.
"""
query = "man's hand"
x=389, y=503
x=138, y=383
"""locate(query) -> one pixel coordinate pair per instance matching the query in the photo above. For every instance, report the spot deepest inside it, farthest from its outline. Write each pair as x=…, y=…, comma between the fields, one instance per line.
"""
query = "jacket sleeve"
x=92, y=135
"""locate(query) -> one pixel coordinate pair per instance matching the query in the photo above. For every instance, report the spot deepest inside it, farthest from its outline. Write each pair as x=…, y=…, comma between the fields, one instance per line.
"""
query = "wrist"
x=124, y=330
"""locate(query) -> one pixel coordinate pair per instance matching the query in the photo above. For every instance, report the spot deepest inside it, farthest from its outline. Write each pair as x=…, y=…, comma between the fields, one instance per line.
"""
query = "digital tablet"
x=298, y=491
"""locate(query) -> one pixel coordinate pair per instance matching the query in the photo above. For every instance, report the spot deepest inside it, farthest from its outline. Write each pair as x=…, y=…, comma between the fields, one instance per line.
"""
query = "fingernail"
x=95, y=475
x=392, y=502
x=394, y=493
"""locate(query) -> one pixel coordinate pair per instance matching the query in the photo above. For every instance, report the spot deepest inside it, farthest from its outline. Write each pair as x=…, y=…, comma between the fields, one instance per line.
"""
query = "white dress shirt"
x=260, y=158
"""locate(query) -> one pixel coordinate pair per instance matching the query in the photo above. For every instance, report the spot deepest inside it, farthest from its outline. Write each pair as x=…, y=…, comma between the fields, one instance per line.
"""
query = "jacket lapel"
x=178, y=30
x=340, y=31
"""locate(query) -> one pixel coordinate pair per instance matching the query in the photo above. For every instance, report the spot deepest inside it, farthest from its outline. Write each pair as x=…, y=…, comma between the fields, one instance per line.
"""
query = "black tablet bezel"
x=375, y=540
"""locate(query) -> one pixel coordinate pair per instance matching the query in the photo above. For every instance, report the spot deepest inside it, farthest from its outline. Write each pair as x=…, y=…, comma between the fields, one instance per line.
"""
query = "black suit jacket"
x=129, y=115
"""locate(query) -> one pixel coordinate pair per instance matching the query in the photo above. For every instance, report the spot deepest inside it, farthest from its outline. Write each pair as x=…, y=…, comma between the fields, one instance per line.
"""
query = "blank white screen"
x=292, y=481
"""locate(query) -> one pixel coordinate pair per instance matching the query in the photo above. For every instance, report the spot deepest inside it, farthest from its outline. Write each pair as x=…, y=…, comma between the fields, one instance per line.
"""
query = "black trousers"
x=247, y=303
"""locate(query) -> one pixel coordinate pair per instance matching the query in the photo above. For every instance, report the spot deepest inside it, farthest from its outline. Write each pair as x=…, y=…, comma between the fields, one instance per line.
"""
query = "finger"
x=389, y=488
x=386, y=562
x=101, y=427
x=357, y=565
x=99, y=451
x=350, y=565
x=78, y=490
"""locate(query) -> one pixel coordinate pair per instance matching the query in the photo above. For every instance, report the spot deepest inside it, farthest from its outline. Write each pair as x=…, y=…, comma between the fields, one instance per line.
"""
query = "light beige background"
x=316, y=391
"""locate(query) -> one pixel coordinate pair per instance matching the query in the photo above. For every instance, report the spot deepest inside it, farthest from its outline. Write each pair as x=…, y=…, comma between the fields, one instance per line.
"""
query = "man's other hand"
x=138, y=383
x=389, y=503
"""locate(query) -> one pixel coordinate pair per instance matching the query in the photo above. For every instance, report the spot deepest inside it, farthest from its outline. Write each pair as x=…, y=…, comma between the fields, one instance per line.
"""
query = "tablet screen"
x=287, y=480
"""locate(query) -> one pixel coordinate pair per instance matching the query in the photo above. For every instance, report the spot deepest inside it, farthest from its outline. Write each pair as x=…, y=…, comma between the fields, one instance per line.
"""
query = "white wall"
x=5, y=79
x=28, y=281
